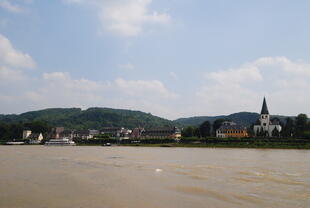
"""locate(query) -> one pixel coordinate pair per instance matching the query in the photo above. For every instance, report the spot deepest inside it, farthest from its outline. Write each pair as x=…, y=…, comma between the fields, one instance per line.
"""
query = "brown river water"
x=141, y=177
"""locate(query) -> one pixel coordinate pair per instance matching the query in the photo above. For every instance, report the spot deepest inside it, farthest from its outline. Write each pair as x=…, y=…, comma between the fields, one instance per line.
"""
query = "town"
x=220, y=130
x=154, y=103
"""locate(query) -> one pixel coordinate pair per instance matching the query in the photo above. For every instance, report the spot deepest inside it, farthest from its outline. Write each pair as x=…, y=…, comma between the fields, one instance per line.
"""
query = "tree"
x=15, y=131
x=250, y=130
x=197, y=132
x=301, y=124
x=188, y=131
x=262, y=132
x=275, y=132
x=3, y=131
x=205, y=128
x=37, y=126
x=216, y=125
x=257, y=133
x=288, y=129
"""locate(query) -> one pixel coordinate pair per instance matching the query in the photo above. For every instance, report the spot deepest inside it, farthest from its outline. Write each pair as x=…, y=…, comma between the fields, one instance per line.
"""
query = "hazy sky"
x=172, y=58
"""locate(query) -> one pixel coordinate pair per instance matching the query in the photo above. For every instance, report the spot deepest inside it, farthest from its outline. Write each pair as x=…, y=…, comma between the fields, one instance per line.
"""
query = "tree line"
x=298, y=127
x=292, y=127
x=203, y=130
x=14, y=131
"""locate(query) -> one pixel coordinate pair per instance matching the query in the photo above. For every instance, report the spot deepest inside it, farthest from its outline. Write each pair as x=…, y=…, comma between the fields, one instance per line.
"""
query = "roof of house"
x=264, y=108
x=232, y=127
x=161, y=131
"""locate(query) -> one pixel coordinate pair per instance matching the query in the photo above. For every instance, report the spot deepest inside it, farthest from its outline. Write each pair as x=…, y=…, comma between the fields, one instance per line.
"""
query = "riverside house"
x=230, y=129
x=117, y=132
x=161, y=133
x=34, y=138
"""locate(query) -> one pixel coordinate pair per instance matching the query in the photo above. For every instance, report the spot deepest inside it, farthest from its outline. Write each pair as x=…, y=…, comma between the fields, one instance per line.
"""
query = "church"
x=264, y=126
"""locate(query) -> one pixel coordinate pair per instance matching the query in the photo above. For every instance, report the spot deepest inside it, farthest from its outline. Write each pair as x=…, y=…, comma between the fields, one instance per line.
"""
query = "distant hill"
x=96, y=118
x=242, y=118
x=92, y=118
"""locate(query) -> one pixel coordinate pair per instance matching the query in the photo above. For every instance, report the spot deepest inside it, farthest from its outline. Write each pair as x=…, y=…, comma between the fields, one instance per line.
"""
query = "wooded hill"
x=96, y=118
x=92, y=118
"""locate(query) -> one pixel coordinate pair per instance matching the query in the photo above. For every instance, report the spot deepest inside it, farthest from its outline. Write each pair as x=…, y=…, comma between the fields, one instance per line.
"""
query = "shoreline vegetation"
x=295, y=134
x=251, y=146
x=209, y=142
x=212, y=142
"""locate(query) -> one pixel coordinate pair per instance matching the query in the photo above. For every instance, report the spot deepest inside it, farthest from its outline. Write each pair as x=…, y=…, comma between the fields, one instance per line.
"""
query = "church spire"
x=264, y=108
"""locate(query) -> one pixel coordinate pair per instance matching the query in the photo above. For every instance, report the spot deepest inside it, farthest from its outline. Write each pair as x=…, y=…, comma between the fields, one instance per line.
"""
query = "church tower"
x=264, y=126
x=264, y=116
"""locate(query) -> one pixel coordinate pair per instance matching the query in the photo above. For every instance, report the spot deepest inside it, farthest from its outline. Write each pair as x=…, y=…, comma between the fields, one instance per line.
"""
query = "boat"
x=60, y=142
x=15, y=143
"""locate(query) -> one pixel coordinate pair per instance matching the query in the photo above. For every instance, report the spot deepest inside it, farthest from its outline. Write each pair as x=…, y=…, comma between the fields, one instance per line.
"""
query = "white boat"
x=15, y=143
x=60, y=142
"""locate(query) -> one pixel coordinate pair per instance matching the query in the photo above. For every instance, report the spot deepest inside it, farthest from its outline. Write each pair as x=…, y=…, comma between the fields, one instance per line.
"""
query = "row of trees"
x=204, y=130
x=299, y=127
x=292, y=127
x=10, y=131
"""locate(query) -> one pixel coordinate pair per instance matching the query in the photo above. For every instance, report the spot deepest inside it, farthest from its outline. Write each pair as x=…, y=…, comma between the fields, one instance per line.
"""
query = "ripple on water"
x=200, y=191
x=252, y=176
x=252, y=198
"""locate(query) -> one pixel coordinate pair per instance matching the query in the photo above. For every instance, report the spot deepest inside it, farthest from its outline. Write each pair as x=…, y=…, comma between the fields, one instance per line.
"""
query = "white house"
x=264, y=125
x=34, y=138
x=26, y=134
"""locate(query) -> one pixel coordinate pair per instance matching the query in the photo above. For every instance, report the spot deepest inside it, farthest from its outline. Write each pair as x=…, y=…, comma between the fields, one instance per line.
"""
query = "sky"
x=171, y=58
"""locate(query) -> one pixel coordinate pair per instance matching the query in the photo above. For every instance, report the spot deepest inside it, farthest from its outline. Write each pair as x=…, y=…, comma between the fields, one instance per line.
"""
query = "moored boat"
x=15, y=143
x=60, y=142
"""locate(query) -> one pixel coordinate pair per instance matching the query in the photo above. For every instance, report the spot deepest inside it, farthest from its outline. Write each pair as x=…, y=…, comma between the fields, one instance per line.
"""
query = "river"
x=142, y=177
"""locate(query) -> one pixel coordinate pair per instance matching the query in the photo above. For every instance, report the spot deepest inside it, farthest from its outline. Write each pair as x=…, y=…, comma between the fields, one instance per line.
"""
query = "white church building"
x=264, y=125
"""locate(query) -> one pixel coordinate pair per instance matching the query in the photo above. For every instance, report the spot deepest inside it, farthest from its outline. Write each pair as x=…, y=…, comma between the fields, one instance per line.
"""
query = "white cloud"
x=226, y=91
x=246, y=73
x=12, y=57
x=283, y=81
x=144, y=88
x=12, y=63
x=294, y=68
x=9, y=75
x=63, y=80
x=6, y=4
x=59, y=89
x=126, y=17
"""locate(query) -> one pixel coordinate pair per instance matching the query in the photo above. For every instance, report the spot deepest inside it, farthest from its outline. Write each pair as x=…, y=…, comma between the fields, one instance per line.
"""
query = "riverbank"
x=250, y=146
x=262, y=143
x=211, y=142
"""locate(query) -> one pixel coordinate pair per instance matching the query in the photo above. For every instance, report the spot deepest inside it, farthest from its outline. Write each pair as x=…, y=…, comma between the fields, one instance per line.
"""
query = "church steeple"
x=264, y=108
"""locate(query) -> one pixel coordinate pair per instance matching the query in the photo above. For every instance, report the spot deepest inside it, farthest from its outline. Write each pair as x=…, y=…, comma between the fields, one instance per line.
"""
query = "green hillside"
x=92, y=118
x=96, y=118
